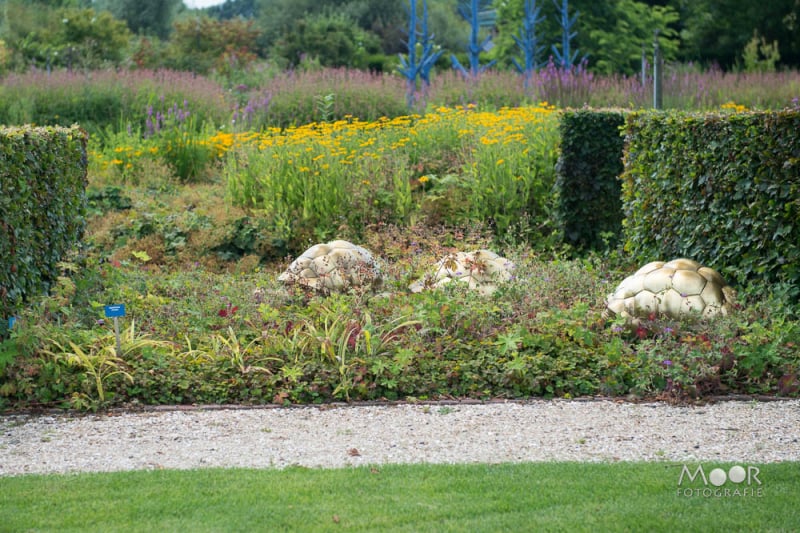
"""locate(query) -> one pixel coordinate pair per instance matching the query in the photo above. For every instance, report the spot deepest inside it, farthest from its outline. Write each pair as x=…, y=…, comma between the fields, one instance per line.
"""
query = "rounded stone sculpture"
x=481, y=270
x=335, y=266
x=675, y=288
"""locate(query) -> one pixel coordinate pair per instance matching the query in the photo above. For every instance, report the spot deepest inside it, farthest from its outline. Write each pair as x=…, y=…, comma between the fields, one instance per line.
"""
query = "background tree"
x=233, y=8
x=89, y=39
x=619, y=49
x=717, y=31
x=146, y=17
x=609, y=34
x=202, y=44
x=46, y=34
x=332, y=39
x=385, y=19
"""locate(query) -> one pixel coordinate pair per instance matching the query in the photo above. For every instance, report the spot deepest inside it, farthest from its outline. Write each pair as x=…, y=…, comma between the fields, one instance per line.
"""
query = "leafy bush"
x=719, y=188
x=589, y=208
x=202, y=45
x=43, y=178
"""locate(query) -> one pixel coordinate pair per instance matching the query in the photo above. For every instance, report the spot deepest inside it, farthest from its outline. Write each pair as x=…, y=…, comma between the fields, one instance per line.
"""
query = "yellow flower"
x=500, y=162
x=737, y=108
x=424, y=179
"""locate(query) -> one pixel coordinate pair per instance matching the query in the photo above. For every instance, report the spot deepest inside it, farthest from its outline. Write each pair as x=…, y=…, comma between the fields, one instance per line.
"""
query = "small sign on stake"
x=115, y=312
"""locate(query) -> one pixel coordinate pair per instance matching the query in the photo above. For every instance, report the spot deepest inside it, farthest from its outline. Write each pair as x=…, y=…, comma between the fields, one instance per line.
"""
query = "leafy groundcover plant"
x=196, y=264
x=203, y=337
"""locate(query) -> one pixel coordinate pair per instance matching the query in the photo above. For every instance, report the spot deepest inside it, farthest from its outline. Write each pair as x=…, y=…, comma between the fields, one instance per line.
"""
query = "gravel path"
x=747, y=432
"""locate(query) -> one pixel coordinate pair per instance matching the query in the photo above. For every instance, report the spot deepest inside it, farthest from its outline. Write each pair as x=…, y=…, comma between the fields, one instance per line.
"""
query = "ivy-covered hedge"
x=723, y=189
x=42, y=207
x=588, y=188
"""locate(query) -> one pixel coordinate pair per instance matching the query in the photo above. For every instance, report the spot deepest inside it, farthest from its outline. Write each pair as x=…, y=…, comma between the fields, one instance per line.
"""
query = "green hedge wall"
x=42, y=207
x=723, y=189
x=587, y=177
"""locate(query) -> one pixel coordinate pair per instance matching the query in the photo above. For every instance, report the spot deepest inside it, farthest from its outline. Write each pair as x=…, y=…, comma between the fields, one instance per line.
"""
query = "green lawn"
x=508, y=497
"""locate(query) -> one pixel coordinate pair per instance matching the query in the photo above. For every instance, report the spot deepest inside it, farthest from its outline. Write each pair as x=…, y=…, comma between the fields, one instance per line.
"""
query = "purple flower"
x=667, y=362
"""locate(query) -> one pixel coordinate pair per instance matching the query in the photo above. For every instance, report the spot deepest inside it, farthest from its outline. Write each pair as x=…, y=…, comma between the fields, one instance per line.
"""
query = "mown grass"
x=502, y=497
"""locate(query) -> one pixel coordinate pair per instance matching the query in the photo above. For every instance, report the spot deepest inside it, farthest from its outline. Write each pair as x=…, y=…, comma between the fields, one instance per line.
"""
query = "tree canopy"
x=609, y=35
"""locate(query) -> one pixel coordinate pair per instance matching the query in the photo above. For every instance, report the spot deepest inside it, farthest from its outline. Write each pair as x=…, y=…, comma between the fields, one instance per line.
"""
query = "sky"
x=202, y=3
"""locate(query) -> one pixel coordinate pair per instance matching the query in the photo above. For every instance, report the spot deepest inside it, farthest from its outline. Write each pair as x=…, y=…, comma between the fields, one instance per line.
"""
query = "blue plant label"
x=113, y=311
x=11, y=321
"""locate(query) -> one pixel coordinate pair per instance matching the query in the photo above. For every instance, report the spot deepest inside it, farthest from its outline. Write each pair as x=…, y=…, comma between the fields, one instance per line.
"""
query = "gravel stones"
x=343, y=436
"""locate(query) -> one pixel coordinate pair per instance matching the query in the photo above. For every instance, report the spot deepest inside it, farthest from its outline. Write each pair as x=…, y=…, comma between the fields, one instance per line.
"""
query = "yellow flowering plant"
x=349, y=172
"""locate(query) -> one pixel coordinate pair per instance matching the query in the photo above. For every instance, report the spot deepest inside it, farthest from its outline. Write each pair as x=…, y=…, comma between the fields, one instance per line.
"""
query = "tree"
x=635, y=24
x=717, y=31
x=43, y=36
x=145, y=17
x=202, y=44
x=88, y=39
x=233, y=8
x=422, y=54
x=332, y=39
x=609, y=34
x=385, y=19
x=565, y=56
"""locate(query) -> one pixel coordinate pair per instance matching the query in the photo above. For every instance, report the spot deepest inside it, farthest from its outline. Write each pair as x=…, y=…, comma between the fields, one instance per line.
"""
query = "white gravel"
x=340, y=436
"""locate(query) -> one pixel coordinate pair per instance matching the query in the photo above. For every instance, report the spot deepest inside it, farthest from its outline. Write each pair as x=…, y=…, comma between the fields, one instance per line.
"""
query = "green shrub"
x=723, y=189
x=42, y=209
x=589, y=207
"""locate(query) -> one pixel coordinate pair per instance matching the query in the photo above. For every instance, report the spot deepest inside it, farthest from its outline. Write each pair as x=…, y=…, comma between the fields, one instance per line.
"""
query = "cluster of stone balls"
x=673, y=288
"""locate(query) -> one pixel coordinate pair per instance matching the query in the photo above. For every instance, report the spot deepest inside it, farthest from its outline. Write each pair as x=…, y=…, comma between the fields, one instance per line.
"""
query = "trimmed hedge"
x=42, y=208
x=587, y=177
x=723, y=189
